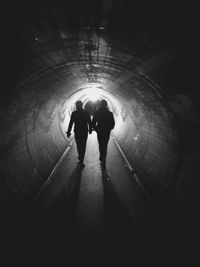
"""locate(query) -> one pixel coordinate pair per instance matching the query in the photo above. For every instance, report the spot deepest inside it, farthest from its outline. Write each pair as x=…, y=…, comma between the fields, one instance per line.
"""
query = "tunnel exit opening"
x=90, y=94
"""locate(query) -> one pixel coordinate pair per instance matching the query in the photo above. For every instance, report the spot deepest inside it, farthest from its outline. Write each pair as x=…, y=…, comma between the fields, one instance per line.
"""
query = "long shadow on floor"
x=126, y=242
x=122, y=238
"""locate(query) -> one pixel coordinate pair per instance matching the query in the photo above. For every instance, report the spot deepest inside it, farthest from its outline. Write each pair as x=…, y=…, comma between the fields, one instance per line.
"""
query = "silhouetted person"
x=82, y=125
x=103, y=122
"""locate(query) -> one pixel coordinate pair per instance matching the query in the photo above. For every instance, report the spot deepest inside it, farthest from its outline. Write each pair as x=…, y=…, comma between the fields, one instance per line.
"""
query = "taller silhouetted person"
x=103, y=122
x=82, y=125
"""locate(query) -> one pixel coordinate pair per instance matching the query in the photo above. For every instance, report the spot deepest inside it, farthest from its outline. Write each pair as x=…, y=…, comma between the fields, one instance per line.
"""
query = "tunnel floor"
x=94, y=215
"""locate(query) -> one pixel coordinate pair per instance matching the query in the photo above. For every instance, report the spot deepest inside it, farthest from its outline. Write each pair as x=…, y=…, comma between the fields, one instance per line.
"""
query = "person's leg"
x=81, y=140
x=78, y=145
x=99, y=137
x=103, y=143
x=105, y=140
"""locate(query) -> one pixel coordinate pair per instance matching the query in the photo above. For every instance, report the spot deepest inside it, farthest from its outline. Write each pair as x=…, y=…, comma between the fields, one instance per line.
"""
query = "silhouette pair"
x=103, y=122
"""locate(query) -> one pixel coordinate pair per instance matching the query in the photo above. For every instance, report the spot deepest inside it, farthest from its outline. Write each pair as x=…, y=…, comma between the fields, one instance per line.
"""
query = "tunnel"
x=142, y=58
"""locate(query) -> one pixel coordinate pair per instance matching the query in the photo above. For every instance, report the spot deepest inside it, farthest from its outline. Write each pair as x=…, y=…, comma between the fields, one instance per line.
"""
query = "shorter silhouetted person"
x=103, y=122
x=82, y=125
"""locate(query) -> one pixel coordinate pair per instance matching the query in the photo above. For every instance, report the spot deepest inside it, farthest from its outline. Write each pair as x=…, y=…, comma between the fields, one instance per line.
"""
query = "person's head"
x=79, y=104
x=103, y=103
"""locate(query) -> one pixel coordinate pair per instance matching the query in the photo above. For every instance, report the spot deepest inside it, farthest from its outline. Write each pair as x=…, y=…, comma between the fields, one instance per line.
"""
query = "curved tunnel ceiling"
x=143, y=54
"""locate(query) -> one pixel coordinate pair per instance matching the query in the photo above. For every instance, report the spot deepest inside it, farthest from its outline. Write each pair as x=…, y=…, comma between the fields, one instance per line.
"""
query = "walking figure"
x=82, y=125
x=103, y=122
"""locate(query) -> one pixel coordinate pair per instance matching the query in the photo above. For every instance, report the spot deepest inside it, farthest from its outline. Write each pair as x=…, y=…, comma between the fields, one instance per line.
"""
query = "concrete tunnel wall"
x=34, y=142
x=31, y=137
x=149, y=141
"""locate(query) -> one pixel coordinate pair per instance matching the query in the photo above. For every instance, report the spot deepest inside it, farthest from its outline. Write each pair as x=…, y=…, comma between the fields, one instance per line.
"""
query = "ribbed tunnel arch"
x=148, y=77
x=35, y=123
x=146, y=131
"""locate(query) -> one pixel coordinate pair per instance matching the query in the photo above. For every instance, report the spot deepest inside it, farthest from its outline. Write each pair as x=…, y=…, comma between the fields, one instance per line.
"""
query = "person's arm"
x=112, y=121
x=70, y=125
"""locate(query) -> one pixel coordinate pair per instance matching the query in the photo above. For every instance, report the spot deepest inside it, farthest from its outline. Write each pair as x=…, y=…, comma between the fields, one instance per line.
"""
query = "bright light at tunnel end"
x=93, y=93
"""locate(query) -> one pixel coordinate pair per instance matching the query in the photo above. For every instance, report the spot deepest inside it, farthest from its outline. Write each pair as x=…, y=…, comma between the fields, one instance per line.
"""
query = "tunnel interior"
x=140, y=57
